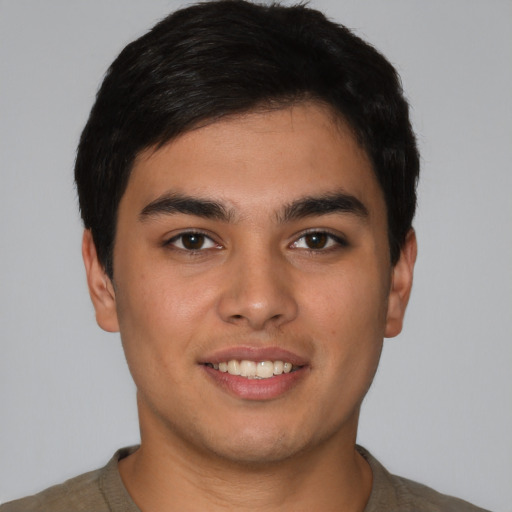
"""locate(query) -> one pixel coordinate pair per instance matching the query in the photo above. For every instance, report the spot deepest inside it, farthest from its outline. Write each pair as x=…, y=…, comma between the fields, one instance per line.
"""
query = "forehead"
x=264, y=157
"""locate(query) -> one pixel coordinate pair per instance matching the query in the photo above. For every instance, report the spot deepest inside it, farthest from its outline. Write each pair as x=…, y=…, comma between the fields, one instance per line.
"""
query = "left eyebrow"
x=338, y=202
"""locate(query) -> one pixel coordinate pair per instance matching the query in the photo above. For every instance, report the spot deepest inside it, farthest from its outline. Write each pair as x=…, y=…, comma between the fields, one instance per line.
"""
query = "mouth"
x=260, y=374
x=254, y=369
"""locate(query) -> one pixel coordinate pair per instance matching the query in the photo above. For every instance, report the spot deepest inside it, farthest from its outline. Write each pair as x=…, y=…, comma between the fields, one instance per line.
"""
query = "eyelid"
x=336, y=239
x=170, y=241
x=339, y=239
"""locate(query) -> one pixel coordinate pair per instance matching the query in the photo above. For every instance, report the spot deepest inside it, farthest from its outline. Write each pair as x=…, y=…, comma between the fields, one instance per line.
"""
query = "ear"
x=401, y=284
x=101, y=289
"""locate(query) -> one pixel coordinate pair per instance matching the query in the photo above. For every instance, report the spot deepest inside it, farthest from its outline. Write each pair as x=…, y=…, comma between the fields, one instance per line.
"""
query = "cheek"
x=350, y=311
x=347, y=321
x=154, y=293
x=162, y=315
x=351, y=299
x=155, y=329
x=144, y=310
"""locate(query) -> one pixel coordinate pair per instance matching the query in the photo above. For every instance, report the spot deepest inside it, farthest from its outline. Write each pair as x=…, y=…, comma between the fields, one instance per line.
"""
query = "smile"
x=254, y=369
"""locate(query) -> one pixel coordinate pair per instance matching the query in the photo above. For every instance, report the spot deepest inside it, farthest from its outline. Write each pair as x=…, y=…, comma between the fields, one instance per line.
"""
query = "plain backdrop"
x=440, y=410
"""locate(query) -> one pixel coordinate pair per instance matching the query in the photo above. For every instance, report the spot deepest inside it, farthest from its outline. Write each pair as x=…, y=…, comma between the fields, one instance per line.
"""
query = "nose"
x=258, y=291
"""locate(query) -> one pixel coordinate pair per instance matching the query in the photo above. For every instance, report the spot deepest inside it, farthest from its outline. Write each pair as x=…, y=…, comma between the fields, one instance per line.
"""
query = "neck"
x=164, y=475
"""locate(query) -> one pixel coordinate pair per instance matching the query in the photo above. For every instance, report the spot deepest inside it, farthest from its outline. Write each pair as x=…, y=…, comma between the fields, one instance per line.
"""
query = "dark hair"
x=226, y=57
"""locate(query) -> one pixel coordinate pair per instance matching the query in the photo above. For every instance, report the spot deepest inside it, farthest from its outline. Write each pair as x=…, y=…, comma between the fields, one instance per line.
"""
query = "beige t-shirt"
x=103, y=491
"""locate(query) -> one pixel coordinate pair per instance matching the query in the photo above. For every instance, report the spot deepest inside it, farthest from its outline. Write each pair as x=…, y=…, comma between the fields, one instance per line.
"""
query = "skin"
x=256, y=282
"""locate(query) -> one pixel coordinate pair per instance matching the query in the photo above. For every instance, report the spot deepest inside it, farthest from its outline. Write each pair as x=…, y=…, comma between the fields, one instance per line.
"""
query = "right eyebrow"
x=172, y=203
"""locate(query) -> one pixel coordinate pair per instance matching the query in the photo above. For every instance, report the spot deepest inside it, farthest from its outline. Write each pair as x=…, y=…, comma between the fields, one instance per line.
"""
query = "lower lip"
x=256, y=389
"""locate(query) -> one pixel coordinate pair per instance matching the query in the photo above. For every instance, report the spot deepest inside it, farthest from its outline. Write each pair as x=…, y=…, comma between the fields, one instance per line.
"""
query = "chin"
x=251, y=452
x=257, y=446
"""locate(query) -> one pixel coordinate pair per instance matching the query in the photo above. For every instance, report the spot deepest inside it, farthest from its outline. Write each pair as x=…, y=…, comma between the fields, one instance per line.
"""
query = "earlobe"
x=100, y=286
x=401, y=286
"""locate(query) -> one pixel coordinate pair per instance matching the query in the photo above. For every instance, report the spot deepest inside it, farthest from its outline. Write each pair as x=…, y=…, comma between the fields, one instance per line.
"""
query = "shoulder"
x=101, y=490
x=398, y=494
x=80, y=493
x=423, y=498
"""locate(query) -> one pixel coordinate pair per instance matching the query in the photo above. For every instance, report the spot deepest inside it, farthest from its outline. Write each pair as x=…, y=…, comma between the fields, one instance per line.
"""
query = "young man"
x=247, y=183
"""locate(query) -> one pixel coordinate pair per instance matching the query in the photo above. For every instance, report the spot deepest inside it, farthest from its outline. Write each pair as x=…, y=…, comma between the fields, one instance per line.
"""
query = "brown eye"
x=319, y=241
x=316, y=240
x=193, y=241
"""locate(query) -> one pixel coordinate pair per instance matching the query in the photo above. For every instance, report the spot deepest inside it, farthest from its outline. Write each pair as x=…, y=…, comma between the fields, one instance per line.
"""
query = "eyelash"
x=332, y=241
x=171, y=242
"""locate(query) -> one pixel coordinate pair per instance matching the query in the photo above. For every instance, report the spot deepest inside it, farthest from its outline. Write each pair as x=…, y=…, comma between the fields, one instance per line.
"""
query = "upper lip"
x=249, y=353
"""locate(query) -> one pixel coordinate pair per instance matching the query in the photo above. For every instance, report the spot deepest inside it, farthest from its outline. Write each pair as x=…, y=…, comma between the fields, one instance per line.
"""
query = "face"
x=255, y=245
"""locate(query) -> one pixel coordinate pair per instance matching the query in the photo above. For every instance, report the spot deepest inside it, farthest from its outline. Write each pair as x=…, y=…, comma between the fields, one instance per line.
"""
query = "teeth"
x=265, y=369
x=253, y=369
x=248, y=369
x=278, y=367
x=233, y=367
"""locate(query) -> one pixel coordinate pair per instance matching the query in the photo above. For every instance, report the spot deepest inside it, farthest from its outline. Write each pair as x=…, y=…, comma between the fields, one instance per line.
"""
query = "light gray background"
x=440, y=410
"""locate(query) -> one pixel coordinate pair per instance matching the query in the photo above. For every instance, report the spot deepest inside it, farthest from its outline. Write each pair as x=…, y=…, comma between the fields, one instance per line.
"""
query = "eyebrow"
x=337, y=202
x=310, y=206
x=172, y=203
